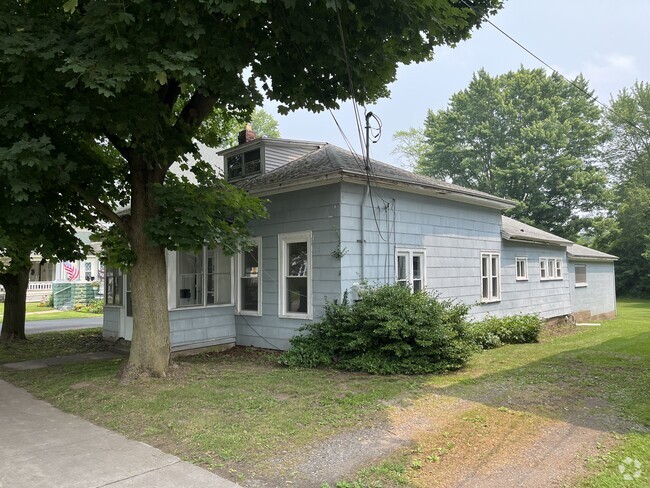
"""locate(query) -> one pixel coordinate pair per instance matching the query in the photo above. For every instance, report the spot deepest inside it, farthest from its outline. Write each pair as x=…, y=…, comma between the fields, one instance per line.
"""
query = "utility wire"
x=590, y=96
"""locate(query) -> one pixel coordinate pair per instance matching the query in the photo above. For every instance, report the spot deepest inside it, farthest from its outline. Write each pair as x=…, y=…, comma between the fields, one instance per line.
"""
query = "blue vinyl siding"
x=599, y=296
x=201, y=327
x=316, y=210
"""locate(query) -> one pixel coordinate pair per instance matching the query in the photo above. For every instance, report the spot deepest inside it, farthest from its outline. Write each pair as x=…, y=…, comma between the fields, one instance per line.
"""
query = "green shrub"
x=492, y=332
x=389, y=331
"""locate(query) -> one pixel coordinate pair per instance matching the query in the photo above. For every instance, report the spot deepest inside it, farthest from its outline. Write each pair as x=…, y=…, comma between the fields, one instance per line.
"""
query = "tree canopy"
x=121, y=91
x=626, y=233
x=523, y=135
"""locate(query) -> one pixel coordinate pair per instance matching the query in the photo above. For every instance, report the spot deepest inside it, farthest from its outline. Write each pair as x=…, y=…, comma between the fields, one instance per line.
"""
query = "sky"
x=607, y=41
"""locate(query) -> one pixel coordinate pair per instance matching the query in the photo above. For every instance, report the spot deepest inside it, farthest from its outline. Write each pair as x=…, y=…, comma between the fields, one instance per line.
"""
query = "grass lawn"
x=236, y=412
x=35, y=313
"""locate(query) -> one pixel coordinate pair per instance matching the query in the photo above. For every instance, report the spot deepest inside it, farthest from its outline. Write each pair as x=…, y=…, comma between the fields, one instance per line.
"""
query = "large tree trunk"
x=150, y=345
x=13, y=320
x=150, y=348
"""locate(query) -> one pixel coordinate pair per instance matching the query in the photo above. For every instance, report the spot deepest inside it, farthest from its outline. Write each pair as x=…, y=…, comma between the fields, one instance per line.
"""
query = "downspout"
x=363, y=233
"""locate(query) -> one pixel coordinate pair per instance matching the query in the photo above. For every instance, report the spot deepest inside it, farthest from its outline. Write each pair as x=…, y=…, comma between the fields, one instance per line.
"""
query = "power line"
x=590, y=96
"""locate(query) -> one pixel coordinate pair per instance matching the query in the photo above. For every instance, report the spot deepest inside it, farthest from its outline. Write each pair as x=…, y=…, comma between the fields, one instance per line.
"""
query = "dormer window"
x=244, y=164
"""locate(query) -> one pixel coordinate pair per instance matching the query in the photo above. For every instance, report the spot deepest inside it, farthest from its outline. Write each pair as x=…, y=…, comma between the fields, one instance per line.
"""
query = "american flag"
x=71, y=271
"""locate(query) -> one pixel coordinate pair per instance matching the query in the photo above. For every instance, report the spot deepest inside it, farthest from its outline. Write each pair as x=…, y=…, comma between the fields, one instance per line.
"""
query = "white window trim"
x=173, y=291
x=283, y=240
x=410, y=253
x=581, y=284
x=552, y=266
x=240, y=263
x=491, y=298
x=521, y=259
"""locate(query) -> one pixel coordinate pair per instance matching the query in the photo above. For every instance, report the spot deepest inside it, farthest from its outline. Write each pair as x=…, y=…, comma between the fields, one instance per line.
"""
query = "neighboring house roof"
x=576, y=251
x=330, y=163
x=513, y=230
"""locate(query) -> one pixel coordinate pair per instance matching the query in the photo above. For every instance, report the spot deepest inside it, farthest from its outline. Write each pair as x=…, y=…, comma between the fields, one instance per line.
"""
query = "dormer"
x=258, y=155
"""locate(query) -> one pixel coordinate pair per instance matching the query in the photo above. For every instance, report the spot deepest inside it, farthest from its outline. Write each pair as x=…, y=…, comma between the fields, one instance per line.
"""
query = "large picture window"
x=490, y=277
x=550, y=269
x=250, y=269
x=410, y=267
x=203, y=278
x=295, y=281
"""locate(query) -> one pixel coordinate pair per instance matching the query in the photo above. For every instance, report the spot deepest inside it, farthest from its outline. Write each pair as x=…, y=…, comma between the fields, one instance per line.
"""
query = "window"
x=249, y=283
x=550, y=269
x=295, y=281
x=410, y=269
x=244, y=164
x=522, y=268
x=581, y=275
x=490, y=277
x=88, y=271
x=113, y=286
x=208, y=270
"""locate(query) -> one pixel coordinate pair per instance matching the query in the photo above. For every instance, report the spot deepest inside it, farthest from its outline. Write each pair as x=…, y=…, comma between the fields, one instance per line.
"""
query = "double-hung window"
x=490, y=277
x=581, y=275
x=550, y=269
x=522, y=268
x=203, y=278
x=250, y=272
x=295, y=275
x=410, y=265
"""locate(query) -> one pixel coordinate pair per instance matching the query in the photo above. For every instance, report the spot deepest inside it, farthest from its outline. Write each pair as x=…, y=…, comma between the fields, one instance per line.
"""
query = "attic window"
x=244, y=164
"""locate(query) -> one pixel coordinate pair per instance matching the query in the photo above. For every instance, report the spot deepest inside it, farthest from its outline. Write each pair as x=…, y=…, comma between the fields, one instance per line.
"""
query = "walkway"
x=44, y=447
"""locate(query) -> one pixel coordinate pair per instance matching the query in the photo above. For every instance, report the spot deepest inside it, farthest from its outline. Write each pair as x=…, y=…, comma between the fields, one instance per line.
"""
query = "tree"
x=33, y=218
x=524, y=135
x=410, y=147
x=143, y=77
x=628, y=163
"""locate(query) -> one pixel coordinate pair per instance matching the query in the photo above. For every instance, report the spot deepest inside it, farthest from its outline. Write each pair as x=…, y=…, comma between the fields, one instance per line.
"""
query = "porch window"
x=550, y=269
x=203, y=278
x=295, y=282
x=490, y=277
x=410, y=269
x=250, y=268
x=113, y=286
x=522, y=268
x=218, y=289
x=581, y=275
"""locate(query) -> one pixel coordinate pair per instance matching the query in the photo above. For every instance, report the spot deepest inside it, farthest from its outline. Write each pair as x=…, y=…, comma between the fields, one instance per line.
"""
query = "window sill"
x=551, y=279
x=521, y=279
x=494, y=300
x=295, y=316
x=249, y=313
x=581, y=285
x=200, y=307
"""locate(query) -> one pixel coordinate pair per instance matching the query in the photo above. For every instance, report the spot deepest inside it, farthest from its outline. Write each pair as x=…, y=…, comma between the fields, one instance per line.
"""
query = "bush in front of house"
x=493, y=332
x=390, y=330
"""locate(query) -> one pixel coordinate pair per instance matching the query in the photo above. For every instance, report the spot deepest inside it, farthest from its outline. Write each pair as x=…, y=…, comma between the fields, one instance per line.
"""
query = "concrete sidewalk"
x=44, y=447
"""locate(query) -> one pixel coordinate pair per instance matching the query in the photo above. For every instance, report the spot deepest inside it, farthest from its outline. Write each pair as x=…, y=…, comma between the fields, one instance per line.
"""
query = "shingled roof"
x=331, y=163
x=576, y=251
x=512, y=229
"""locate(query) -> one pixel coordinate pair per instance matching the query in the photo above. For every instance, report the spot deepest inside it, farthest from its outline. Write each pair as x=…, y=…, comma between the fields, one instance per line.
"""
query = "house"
x=336, y=222
x=64, y=280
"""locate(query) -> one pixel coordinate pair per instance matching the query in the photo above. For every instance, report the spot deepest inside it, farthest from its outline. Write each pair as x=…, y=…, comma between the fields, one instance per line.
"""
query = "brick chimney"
x=246, y=135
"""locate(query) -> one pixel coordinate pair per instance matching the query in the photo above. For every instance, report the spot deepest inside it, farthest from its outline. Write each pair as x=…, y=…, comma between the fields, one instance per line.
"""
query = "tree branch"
x=196, y=110
x=102, y=208
x=119, y=145
x=169, y=93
